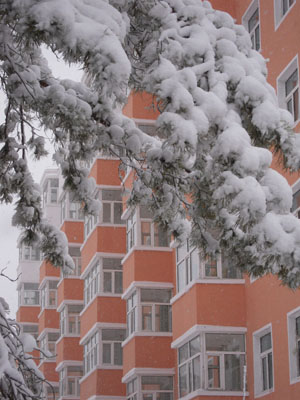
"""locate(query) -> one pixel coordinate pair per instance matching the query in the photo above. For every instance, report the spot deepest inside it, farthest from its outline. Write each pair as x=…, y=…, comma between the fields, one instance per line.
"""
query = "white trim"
x=291, y=318
x=254, y=4
x=278, y=17
x=214, y=281
x=280, y=83
x=196, y=329
x=100, y=254
x=145, y=333
x=144, y=121
x=100, y=367
x=147, y=371
x=146, y=248
x=296, y=186
x=47, y=330
x=96, y=397
x=218, y=393
x=146, y=284
x=66, y=336
x=68, y=363
x=257, y=369
x=48, y=278
x=66, y=302
x=101, y=325
x=128, y=210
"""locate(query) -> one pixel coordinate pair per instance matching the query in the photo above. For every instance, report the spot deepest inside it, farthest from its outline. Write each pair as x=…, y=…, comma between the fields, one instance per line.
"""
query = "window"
x=112, y=206
x=91, y=283
x=132, y=390
x=223, y=357
x=50, y=191
x=76, y=257
x=48, y=345
x=189, y=366
x=288, y=88
x=49, y=294
x=91, y=349
x=251, y=23
x=151, y=233
x=191, y=266
x=132, y=314
x=263, y=360
x=157, y=387
x=29, y=294
x=71, y=209
x=155, y=311
x=29, y=253
x=112, y=346
x=282, y=8
x=69, y=381
x=292, y=94
x=106, y=276
x=31, y=329
x=70, y=320
x=296, y=203
x=294, y=344
x=51, y=392
x=112, y=275
x=149, y=310
x=131, y=231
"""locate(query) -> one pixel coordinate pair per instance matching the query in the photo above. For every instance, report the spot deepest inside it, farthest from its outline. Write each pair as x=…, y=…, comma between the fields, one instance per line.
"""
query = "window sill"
x=261, y=394
x=145, y=248
x=47, y=308
x=67, y=335
x=99, y=295
x=206, y=392
x=144, y=333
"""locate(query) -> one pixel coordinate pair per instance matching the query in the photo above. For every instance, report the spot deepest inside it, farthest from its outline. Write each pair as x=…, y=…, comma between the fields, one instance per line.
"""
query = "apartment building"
x=141, y=318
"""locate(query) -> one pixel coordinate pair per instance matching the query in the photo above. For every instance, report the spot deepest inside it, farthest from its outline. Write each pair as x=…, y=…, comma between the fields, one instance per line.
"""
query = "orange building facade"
x=141, y=318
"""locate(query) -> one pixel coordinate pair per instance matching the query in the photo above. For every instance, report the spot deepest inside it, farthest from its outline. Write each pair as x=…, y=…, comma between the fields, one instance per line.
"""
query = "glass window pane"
x=291, y=82
x=118, y=209
x=253, y=20
x=118, y=359
x=211, y=267
x=234, y=364
x=111, y=195
x=146, y=233
x=106, y=212
x=229, y=271
x=196, y=373
x=181, y=275
x=270, y=370
x=297, y=322
x=194, y=346
x=265, y=373
x=224, y=342
x=213, y=363
x=194, y=264
x=145, y=212
x=183, y=353
x=296, y=105
x=107, y=285
x=183, y=380
x=118, y=282
x=162, y=318
x=265, y=342
x=164, y=396
x=160, y=236
x=112, y=263
x=156, y=295
x=147, y=318
x=157, y=383
x=106, y=357
x=114, y=334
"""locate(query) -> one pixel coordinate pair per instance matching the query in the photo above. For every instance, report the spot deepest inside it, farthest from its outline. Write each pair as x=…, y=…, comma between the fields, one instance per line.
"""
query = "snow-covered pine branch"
x=218, y=114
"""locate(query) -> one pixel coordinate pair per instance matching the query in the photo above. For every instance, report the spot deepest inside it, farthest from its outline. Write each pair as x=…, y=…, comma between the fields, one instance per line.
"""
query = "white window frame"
x=134, y=231
x=70, y=210
x=188, y=365
x=76, y=272
x=65, y=314
x=282, y=79
x=245, y=21
x=94, y=280
x=48, y=190
x=152, y=305
x=134, y=389
x=25, y=328
x=45, y=292
x=44, y=346
x=29, y=253
x=111, y=204
x=64, y=379
x=33, y=294
x=295, y=206
x=258, y=357
x=93, y=350
x=294, y=345
x=279, y=14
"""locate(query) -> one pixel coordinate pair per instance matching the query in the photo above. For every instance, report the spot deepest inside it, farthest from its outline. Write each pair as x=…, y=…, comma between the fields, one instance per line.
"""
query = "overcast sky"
x=8, y=233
